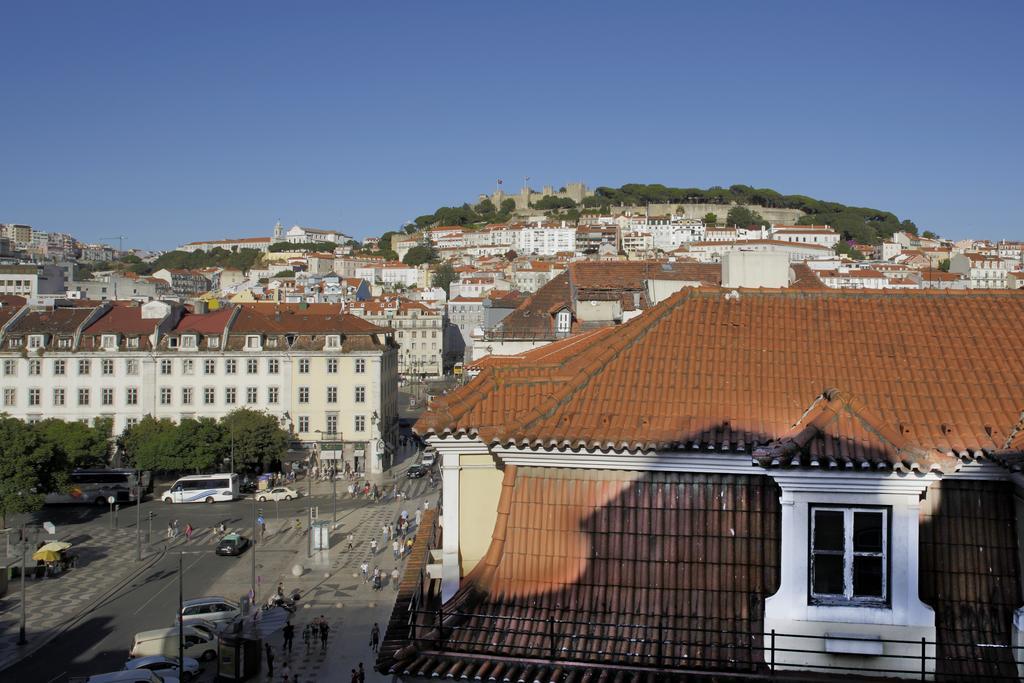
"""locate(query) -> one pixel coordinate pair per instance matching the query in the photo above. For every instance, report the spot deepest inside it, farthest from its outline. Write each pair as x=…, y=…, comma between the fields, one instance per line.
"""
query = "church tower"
x=278, y=232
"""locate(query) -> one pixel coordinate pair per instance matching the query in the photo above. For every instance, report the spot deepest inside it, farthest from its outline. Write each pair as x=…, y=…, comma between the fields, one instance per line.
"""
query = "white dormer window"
x=333, y=341
x=172, y=342
x=133, y=342
x=213, y=342
x=188, y=341
x=36, y=341
x=563, y=321
x=108, y=341
x=16, y=343
x=64, y=343
x=252, y=342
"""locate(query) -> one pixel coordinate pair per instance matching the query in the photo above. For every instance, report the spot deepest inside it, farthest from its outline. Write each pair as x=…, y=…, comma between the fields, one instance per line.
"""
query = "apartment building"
x=980, y=270
x=325, y=375
x=418, y=329
x=32, y=281
x=184, y=282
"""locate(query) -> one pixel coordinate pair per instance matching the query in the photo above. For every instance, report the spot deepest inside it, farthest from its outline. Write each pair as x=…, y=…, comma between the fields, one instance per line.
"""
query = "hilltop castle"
x=574, y=191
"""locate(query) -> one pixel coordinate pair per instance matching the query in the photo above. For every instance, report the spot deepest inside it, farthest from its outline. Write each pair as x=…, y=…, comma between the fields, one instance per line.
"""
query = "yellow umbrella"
x=51, y=551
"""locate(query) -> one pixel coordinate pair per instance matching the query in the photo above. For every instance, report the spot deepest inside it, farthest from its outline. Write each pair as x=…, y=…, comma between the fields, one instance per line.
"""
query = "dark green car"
x=232, y=544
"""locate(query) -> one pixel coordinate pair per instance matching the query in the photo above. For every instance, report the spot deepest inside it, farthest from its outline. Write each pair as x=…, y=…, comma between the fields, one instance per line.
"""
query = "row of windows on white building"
x=166, y=396
x=188, y=365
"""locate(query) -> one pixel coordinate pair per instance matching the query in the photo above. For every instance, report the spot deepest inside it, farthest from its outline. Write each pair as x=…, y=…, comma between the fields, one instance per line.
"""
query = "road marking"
x=169, y=584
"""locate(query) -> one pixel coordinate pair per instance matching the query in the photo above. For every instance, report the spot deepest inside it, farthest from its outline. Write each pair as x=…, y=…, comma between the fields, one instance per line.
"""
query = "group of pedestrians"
x=318, y=629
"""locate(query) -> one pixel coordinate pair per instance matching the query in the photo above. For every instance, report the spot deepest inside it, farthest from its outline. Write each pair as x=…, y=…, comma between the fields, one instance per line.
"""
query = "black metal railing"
x=570, y=642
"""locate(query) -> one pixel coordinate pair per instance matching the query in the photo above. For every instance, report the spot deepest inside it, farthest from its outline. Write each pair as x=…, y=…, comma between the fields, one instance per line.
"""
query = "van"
x=138, y=676
x=200, y=643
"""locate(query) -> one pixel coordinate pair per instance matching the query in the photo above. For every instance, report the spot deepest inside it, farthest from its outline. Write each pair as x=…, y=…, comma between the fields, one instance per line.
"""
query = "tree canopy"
x=420, y=254
x=278, y=247
x=443, y=277
x=743, y=217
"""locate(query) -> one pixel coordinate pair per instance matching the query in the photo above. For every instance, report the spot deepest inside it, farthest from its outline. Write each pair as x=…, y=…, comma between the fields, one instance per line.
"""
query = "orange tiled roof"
x=943, y=370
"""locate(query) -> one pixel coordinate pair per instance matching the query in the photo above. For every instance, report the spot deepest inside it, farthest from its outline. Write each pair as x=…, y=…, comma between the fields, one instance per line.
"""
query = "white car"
x=278, y=493
x=213, y=609
x=164, y=666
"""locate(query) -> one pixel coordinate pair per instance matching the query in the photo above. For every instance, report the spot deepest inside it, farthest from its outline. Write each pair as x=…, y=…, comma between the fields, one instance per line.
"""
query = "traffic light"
x=151, y=515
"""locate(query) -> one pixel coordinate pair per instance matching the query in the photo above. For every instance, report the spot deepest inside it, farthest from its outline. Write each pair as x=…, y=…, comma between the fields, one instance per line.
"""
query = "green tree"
x=420, y=254
x=443, y=277
x=29, y=468
x=743, y=217
x=486, y=208
x=258, y=437
x=944, y=265
x=929, y=235
x=710, y=220
x=278, y=247
x=200, y=444
x=151, y=444
x=285, y=273
x=508, y=206
x=846, y=249
x=79, y=444
x=551, y=202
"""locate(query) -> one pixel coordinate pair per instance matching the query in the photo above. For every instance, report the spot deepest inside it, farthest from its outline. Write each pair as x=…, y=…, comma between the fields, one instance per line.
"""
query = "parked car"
x=429, y=457
x=162, y=666
x=232, y=544
x=214, y=609
x=278, y=493
x=417, y=471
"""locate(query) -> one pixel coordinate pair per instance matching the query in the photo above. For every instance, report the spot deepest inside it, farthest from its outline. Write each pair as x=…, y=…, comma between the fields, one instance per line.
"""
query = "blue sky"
x=169, y=122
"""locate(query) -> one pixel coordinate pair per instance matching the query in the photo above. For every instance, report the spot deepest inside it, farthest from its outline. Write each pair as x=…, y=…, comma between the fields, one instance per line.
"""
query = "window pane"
x=828, y=530
x=867, y=532
x=828, y=574
x=867, y=577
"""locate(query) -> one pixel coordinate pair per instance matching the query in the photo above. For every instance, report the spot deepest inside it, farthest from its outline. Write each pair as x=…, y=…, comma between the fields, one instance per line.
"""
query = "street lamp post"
x=181, y=620
x=138, y=523
x=21, y=628
x=254, y=549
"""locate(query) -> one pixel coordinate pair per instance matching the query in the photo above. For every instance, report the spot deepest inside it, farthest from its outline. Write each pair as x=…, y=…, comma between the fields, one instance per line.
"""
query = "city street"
x=99, y=640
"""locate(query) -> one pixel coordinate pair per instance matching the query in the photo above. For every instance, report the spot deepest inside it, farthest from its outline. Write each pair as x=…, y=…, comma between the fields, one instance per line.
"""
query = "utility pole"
x=138, y=524
x=181, y=620
x=254, y=550
x=21, y=628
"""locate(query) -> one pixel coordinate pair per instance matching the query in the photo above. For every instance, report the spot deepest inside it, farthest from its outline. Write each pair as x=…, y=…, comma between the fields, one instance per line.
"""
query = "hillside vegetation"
x=860, y=224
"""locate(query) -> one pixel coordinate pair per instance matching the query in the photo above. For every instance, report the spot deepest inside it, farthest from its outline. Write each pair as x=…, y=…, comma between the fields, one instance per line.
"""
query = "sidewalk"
x=331, y=586
x=106, y=560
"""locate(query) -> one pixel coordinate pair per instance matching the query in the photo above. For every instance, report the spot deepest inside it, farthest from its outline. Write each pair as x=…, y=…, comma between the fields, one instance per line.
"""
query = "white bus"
x=202, y=488
x=96, y=486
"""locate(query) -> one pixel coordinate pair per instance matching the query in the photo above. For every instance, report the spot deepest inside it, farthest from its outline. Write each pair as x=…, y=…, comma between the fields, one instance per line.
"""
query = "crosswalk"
x=286, y=535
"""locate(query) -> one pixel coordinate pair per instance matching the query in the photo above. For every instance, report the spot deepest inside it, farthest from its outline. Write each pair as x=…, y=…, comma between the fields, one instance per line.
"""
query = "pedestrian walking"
x=426, y=505
x=419, y=517
x=170, y=530
x=373, y=546
x=188, y=532
x=394, y=548
x=270, y=660
x=362, y=674
x=374, y=637
x=289, y=634
x=176, y=529
x=262, y=524
x=408, y=545
x=394, y=578
x=325, y=630
x=355, y=676
x=286, y=672
x=307, y=636
x=384, y=533
x=364, y=568
x=351, y=540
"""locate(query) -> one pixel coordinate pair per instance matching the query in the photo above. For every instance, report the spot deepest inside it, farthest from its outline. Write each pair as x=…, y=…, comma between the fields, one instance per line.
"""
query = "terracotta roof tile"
x=735, y=372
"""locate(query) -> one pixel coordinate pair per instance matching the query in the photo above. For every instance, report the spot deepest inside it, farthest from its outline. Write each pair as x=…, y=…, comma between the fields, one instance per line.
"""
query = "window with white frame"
x=303, y=394
x=213, y=342
x=230, y=395
x=360, y=395
x=209, y=366
x=10, y=368
x=332, y=423
x=35, y=367
x=9, y=396
x=14, y=343
x=35, y=341
x=849, y=555
x=187, y=366
x=64, y=343
x=273, y=393
x=252, y=366
x=230, y=366
x=251, y=395
x=188, y=341
x=133, y=342
x=172, y=342
x=131, y=396
x=303, y=366
x=165, y=366
x=360, y=423
x=332, y=366
x=333, y=341
x=186, y=396
x=332, y=394
x=252, y=342
x=58, y=396
x=165, y=396
x=84, y=366
x=273, y=366
x=83, y=397
x=360, y=365
x=107, y=396
x=303, y=424
x=209, y=395
x=131, y=366
x=107, y=366
x=60, y=367
x=563, y=321
x=33, y=397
